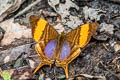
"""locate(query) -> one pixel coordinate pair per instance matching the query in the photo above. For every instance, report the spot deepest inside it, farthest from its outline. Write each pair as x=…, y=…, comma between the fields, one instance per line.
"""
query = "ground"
x=99, y=60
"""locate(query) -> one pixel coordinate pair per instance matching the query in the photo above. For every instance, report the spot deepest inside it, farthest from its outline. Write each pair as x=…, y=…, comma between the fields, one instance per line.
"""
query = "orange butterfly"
x=56, y=48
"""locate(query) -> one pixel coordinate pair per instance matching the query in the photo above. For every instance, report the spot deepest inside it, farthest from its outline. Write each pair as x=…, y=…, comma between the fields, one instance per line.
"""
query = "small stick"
x=117, y=1
x=27, y=8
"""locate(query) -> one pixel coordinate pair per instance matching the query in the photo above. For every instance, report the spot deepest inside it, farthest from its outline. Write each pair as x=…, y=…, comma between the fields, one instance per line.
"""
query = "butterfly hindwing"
x=50, y=48
x=65, y=51
x=69, y=54
x=39, y=47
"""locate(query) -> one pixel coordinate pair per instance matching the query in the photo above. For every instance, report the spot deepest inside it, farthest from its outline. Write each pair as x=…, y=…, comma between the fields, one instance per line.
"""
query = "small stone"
x=1, y=33
x=48, y=79
x=7, y=59
x=108, y=28
x=117, y=33
x=62, y=1
x=41, y=77
x=61, y=77
x=18, y=63
x=117, y=47
x=92, y=13
x=32, y=63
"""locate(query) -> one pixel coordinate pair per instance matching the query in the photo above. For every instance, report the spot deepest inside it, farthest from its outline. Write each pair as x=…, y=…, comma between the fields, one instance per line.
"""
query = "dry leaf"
x=14, y=31
x=13, y=53
x=8, y=6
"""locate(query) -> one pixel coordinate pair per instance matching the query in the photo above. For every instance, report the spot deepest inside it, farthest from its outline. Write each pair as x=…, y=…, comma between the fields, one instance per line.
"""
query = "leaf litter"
x=100, y=59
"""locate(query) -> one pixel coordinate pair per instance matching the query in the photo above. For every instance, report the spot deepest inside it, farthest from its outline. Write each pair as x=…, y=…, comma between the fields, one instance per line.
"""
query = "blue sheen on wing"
x=65, y=50
x=50, y=48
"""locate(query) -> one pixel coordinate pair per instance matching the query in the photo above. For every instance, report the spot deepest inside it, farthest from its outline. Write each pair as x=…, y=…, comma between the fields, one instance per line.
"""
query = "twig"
x=117, y=1
x=27, y=8
x=105, y=46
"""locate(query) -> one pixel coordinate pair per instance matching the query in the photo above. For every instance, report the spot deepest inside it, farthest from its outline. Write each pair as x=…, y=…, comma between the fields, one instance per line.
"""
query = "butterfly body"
x=59, y=49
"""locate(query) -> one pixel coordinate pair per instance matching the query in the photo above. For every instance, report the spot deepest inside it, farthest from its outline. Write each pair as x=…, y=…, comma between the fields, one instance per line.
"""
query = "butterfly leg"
x=65, y=67
x=39, y=66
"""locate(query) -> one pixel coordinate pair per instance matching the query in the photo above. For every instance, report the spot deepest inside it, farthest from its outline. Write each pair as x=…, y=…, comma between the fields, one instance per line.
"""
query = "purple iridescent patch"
x=50, y=48
x=65, y=50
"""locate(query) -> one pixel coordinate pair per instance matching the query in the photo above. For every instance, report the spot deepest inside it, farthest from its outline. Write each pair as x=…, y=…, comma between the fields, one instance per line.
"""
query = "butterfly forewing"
x=41, y=30
x=81, y=35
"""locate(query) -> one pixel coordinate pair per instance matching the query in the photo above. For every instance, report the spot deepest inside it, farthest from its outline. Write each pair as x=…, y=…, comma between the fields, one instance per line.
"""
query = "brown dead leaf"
x=22, y=73
x=14, y=31
x=25, y=75
x=115, y=59
x=9, y=6
x=13, y=53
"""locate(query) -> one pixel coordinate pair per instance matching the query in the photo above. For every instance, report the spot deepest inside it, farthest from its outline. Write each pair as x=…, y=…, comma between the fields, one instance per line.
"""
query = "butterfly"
x=59, y=49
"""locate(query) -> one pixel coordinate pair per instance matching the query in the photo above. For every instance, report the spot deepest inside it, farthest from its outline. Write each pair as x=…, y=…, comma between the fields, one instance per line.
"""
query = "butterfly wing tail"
x=39, y=66
x=44, y=59
x=75, y=51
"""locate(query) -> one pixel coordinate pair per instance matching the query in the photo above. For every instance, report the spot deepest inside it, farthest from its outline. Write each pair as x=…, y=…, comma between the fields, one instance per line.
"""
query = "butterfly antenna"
x=52, y=66
x=31, y=44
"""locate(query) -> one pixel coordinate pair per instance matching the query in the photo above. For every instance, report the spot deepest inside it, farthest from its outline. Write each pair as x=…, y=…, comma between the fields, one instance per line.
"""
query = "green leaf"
x=6, y=75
